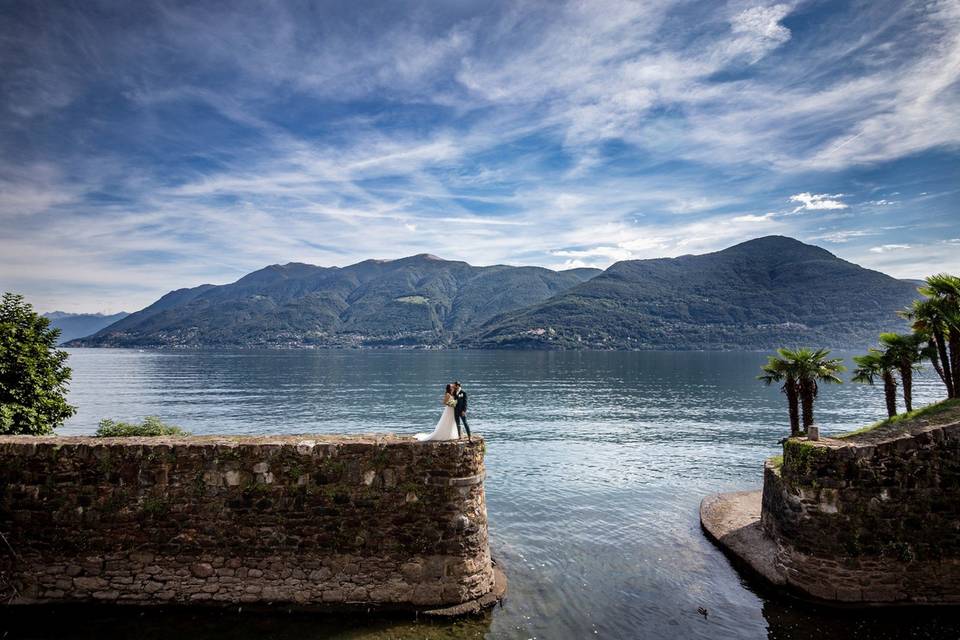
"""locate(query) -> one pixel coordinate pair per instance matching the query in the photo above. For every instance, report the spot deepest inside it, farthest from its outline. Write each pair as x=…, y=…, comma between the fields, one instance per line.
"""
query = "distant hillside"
x=80, y=325
x=763, y=293
x=421, y=300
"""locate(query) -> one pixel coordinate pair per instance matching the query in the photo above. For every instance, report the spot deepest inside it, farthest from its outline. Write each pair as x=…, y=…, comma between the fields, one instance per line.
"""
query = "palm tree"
x=938, y=318
x=905, y=351
x=814, y=368
x=778, y=370
x=877, y=364
x=801, y=371
x=928, y=322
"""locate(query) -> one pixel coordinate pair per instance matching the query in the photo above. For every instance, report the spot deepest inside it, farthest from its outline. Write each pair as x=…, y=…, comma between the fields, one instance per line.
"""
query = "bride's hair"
x=449, y=388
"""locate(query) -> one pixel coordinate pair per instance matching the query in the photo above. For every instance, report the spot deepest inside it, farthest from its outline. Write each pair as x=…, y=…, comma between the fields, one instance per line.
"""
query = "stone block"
x=334, y=595
x=93, y=583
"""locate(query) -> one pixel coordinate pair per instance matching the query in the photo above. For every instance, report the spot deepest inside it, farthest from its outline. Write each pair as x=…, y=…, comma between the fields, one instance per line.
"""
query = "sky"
x=148, y=146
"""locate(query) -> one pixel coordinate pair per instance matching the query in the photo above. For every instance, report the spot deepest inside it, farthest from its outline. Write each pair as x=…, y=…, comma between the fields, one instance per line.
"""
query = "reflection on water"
x=596, y=466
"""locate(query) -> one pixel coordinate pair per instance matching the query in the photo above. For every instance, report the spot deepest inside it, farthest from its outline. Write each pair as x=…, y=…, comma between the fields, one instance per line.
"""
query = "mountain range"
x=760, y=294
x=763, y=293
x=416, y=301
x=78, y=325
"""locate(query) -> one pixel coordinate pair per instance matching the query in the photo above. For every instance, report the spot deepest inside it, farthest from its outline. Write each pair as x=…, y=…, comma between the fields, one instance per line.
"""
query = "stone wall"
x=305, y=520
x=871, y=519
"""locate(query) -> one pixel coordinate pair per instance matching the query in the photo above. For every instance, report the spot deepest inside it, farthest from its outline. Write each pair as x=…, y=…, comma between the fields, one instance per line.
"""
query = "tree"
x=33, y=373
x=813, y=367
x=877, y=364
x=937, y=320
x=905, y=351
x=777, y=370
x=929, y=326
x=801, y=371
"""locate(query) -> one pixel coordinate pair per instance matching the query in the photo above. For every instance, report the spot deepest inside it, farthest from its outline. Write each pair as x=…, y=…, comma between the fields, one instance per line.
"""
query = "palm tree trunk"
x=954, y=343
x=906, y=377
x=935, y=361
x=945, y=373
x=890, y=393
x=807, y=391
x=790, y=388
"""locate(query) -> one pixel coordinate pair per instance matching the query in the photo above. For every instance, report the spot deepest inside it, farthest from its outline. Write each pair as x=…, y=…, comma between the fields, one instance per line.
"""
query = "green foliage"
x=936, y=324
x=33, y=372
x=151, y=426
x=801, y=371
x=799, y=457
x=871, y=366
x=936, y=409
x=902, y=348
x=879, y=364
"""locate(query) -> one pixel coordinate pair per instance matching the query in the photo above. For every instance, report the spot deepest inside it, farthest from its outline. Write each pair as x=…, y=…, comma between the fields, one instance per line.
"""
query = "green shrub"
x=151, y=426
x=33, y=372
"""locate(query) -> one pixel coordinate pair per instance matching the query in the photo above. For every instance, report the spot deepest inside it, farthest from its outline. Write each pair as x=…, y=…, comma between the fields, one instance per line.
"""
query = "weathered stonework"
x=872, y=519
x=869, y=521
x=301, y=520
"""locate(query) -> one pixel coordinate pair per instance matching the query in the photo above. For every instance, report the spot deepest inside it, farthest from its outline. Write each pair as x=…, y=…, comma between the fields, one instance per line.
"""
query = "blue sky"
x=150, y=146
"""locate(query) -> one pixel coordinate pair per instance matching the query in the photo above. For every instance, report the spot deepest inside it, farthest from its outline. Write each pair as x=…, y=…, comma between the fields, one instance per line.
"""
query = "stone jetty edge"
x=861, y=521
x=310, y=522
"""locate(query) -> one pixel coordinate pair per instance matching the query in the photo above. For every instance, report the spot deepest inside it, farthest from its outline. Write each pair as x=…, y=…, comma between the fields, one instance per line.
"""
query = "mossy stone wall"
x=870, y=521
x=304, y=520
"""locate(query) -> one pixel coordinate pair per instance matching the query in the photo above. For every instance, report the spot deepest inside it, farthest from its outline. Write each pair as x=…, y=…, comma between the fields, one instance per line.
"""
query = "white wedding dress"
x=446, y=428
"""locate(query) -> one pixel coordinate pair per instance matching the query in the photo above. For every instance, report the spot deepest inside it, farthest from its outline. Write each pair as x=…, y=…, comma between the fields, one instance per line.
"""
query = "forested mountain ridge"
x=760, y=294
x=419, y=301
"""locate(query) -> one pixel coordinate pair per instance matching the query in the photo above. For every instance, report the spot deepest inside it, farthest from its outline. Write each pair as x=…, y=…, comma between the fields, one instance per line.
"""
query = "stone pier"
x=308, y=521
x=873, y=518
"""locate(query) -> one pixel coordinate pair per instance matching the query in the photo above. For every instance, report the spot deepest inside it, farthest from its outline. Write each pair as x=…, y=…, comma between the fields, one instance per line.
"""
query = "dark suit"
x=460, y=412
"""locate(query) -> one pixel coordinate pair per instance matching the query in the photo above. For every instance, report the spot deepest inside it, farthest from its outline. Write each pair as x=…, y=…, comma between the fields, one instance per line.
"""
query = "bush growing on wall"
x=151, y=426
x=33, y=372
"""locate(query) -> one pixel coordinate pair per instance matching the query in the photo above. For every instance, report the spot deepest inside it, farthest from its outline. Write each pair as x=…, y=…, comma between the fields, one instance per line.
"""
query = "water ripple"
x=596, y=465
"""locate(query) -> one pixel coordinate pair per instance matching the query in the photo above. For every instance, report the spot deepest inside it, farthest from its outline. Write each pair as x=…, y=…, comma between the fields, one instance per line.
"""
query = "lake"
x=596, y=466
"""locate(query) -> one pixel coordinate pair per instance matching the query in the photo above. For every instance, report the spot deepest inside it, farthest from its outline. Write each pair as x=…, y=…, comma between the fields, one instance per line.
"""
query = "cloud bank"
x=167, y=144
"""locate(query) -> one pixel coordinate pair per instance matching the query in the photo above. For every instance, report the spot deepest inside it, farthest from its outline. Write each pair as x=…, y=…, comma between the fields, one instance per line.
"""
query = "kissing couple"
x=454, y=412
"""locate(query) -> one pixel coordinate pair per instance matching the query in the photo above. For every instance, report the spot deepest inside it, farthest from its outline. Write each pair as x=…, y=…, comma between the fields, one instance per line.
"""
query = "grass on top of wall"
x=945, y=409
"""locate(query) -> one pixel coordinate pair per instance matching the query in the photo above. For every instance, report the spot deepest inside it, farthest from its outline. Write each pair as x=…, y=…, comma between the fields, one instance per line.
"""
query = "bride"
x=447, y=427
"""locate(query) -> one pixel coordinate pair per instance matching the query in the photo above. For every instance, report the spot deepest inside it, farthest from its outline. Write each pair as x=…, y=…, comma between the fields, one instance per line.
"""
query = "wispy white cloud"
x=758, y=30
x=841, y=237
x=817, y=201
x=767, y=217
x=884, y=248
x=915, y=261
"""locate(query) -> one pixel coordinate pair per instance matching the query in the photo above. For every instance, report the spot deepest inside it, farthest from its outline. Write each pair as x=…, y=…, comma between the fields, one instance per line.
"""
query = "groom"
x=460, y=410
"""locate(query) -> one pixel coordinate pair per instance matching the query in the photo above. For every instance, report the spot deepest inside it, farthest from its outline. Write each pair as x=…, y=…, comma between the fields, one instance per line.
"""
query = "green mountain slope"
x=756, y=295
x=420, y=300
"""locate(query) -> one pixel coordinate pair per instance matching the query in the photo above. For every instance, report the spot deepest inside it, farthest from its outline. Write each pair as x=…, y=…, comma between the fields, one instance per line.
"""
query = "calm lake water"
x=596, y=466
